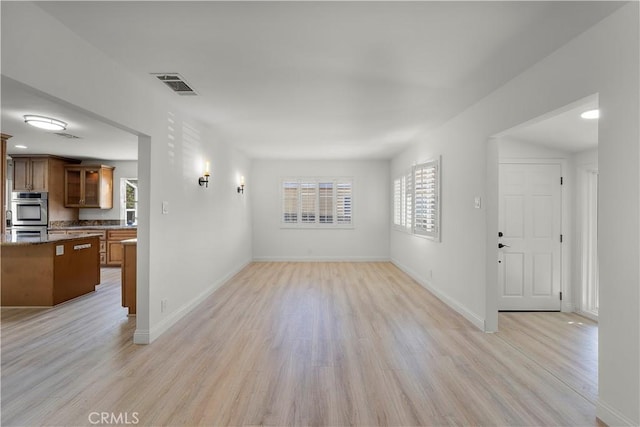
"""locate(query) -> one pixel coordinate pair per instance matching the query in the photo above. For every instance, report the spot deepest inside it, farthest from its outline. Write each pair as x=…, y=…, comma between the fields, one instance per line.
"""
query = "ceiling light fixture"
x=45, y=122
x=20, y=146
x=591, y=114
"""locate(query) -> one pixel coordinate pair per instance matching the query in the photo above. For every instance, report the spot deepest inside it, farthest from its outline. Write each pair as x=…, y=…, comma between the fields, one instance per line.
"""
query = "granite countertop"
x=11, y=240
x=130, y=242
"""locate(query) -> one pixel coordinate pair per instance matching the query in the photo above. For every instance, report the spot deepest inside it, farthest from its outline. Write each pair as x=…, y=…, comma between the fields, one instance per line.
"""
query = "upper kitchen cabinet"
x=30, y=174
x=88, y=186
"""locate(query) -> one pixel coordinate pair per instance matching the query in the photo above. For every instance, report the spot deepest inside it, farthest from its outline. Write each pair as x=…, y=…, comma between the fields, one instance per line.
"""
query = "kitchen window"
x=317, y=202
x=129, y=200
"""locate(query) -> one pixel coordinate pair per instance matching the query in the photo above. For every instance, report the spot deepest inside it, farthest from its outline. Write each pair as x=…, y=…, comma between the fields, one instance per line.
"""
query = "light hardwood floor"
x=327, y=344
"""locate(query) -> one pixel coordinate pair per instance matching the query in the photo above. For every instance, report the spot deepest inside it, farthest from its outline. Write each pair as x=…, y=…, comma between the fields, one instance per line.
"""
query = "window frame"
x=317, y=183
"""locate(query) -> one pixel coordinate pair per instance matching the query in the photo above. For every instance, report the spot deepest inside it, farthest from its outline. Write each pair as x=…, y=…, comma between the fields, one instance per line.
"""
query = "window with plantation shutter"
x=343, y=202
x=308, y=207
x=426, y=212
x=416, y=200
x=326, y=202
x=317, y=203
x=290, y=191
x=397, y=202
x=408, y=205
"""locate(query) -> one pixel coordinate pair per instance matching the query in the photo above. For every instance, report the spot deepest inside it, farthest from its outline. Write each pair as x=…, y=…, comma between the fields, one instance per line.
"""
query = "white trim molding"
x=475, y=320
x=611, y=417
x=148, y=336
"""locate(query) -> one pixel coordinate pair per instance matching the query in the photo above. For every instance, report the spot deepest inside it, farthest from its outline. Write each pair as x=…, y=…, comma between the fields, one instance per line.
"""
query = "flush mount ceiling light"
x=45, y=122
x=591, y=114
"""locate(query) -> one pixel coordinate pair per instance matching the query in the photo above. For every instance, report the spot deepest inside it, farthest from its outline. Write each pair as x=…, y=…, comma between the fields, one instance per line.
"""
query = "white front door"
x=530, y=219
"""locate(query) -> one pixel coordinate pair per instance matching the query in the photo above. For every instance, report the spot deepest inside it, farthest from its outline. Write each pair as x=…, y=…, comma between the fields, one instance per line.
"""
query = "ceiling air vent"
x=66, y=135
x=175, y=82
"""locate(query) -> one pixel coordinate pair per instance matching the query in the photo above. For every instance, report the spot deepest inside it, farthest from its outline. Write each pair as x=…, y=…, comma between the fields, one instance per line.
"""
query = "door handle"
x=500, y=246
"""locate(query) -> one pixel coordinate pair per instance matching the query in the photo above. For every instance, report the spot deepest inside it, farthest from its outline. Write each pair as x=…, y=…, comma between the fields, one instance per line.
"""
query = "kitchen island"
x=48, y=270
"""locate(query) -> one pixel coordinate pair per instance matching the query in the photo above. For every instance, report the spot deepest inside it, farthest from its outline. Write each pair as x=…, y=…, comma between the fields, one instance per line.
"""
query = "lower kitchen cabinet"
x=103, y=244
x=114, y=245
x=111, y=254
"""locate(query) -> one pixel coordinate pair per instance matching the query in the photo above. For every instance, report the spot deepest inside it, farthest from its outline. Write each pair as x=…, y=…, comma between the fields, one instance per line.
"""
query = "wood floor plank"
x=309, y=344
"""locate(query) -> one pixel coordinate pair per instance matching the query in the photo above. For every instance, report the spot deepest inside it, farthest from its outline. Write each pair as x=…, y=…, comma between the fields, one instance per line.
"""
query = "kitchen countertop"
x=12, y=240
x=130, y=242
x=95, y=227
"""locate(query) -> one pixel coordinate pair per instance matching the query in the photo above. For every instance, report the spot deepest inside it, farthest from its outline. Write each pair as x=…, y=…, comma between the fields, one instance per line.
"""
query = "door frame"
x=566, y=305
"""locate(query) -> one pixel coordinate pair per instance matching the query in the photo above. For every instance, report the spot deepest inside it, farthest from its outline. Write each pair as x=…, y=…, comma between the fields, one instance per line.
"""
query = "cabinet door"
x=72, y=187
x=114, y=253
x=91, y=188
x=39, y=174
x=21, y=174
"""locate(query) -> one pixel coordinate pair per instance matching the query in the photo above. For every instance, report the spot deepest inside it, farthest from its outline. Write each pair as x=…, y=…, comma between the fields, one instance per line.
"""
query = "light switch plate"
x=477, y=202
x=165, y=208
x=59, y=250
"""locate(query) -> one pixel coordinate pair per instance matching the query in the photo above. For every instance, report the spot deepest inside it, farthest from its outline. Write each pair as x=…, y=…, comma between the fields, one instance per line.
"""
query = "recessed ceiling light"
x=591, y=114
x=20, y=146
x=45, y=122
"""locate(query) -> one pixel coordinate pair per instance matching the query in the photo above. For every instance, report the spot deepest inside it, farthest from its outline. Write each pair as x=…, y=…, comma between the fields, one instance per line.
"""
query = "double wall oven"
x=29, y=214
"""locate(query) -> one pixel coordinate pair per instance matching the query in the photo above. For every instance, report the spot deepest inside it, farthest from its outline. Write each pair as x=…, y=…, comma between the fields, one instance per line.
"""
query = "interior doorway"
x=565, y=271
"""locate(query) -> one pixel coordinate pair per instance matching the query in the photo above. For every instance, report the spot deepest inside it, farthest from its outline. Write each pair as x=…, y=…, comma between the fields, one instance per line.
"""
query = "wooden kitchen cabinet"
x=30, y=174
x=42, y=173
x=114, y=244
x=129, y=250
x=88, y=186
x=103, y=241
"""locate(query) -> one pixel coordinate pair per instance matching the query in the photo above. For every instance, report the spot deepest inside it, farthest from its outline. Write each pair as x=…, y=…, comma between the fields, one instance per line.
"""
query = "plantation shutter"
x=426, y=203
x=308, y=202
x=343, y=203
x=325, y=202
x=397, y=202
x=409, y=201
x=290, y=192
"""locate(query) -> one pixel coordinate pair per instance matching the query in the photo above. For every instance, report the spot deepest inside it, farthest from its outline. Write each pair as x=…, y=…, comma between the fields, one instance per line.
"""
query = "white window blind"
x=317, y=202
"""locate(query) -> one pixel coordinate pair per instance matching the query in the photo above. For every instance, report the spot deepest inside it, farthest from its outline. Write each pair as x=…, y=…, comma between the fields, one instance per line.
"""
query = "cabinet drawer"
x=117, y=235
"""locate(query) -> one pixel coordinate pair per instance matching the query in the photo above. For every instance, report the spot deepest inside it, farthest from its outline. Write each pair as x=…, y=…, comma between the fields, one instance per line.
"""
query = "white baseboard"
x=148, y=336
x=476, y=320
x=612, y=417
x=321, y=259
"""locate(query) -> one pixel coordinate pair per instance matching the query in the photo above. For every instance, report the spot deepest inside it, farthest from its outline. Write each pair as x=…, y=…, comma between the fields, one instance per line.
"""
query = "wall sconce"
x=241, y=187
x=204, y=180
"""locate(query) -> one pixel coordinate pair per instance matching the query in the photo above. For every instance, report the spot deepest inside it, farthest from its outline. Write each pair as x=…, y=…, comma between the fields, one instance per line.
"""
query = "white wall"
x=123, y=169
x=206, y=235
x=602, y=60
x=369, y=238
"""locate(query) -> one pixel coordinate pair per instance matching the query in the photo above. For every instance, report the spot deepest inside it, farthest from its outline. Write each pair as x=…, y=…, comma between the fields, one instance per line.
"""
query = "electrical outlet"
x=163, y=306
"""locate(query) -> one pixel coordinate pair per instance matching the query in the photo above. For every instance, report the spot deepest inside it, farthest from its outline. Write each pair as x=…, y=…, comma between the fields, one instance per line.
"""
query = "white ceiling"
x=564, y=130
x=97, y=139
x=328, y=79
